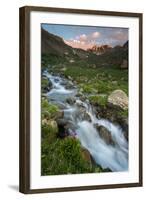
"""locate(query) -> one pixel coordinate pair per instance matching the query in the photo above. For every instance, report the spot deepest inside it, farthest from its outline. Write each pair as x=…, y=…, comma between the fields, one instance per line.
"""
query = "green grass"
x=51, y=59
x=123, y=113
x=63, y=156
x=100, y=100
x=49, y=110
x=44, y=83
x=88, y=88
x=102, y=80
x=59, y=156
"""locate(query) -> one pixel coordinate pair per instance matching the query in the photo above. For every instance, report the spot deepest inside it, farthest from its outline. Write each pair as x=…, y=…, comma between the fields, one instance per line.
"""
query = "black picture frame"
x=24, y=144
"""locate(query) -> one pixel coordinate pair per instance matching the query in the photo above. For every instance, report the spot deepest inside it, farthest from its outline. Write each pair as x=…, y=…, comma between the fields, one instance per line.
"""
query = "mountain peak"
x=99, y=49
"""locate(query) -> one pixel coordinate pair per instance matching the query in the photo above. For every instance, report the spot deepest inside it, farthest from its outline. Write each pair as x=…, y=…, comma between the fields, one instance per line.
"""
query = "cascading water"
x=114, y=157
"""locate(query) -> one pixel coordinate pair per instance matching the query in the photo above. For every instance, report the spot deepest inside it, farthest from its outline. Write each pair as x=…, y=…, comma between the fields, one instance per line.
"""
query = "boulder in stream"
x=86, y=156
x=82, y=114
x=46, y=85
x=69, y=85
x=71, y=100
x=86, y=117
x=105, y=134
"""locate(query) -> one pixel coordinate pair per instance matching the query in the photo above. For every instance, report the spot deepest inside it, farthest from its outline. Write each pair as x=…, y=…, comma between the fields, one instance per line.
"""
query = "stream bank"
x=98, y=131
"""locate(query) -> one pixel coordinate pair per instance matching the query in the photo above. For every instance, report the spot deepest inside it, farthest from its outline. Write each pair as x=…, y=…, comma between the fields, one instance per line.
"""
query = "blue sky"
x=86, y=36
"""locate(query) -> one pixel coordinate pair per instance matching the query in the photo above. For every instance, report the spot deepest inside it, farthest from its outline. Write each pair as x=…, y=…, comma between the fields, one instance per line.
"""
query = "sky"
x=85, y=37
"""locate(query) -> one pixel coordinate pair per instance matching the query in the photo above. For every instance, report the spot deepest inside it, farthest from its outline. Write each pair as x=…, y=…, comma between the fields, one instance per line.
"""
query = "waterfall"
x=114, y=157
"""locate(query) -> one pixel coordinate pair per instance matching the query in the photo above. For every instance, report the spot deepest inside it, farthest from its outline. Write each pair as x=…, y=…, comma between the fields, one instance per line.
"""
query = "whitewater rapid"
x=114, y=157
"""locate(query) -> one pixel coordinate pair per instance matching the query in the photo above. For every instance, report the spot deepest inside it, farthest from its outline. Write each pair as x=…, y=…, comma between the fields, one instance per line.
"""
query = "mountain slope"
x=56, y=51
x=114, y=56
x=52, y=44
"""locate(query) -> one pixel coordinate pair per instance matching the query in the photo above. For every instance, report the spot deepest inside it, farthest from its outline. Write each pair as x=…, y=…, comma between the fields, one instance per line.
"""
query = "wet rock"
x=105, y=134
x=83, y=115
x=118, y=98
x=81, y=112
x=62, y=122
x=86, y=117
x=70, y=127
x=46, y=85
x=79, y=94
x=109, y=113
x=50, y=85
x=61, y=105
x=56, y=80
x=126, y=135
x=112, y=113
x=82, y=98
x=107, y=170
x=70, y=78
x=86, y=156
x=124, y=124
x=59, y=114
x=62, y=133
x=69, y=85
x=65, y=126
x=80, y=104
x=70, y=100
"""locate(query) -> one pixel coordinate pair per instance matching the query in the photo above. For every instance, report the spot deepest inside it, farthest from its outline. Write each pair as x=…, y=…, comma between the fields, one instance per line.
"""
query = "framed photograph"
x=80, y=99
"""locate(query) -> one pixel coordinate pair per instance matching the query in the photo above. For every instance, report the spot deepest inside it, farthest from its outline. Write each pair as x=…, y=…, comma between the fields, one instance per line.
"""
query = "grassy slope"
x=93, y=82
x=102, y=80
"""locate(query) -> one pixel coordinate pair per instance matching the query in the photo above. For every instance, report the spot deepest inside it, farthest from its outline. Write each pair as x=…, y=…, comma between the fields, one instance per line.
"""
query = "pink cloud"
x=95, y=35
x=83, y=37
x=79, y=44
x=119, y=35
x=83, y=41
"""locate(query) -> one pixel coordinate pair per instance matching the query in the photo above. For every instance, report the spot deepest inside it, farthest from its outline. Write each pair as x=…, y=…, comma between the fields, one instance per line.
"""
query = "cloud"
x=112, y=38
x=119, y=35
x=83, y=37
x=79, y=44
x=95, y=35
x=83, y=41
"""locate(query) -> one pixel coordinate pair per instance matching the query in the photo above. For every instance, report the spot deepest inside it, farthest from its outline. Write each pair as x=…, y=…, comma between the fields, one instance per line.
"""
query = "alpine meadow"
x=84, y=99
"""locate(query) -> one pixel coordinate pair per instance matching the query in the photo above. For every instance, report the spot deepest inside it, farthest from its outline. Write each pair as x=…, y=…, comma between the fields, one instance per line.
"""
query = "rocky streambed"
x=103, y=135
